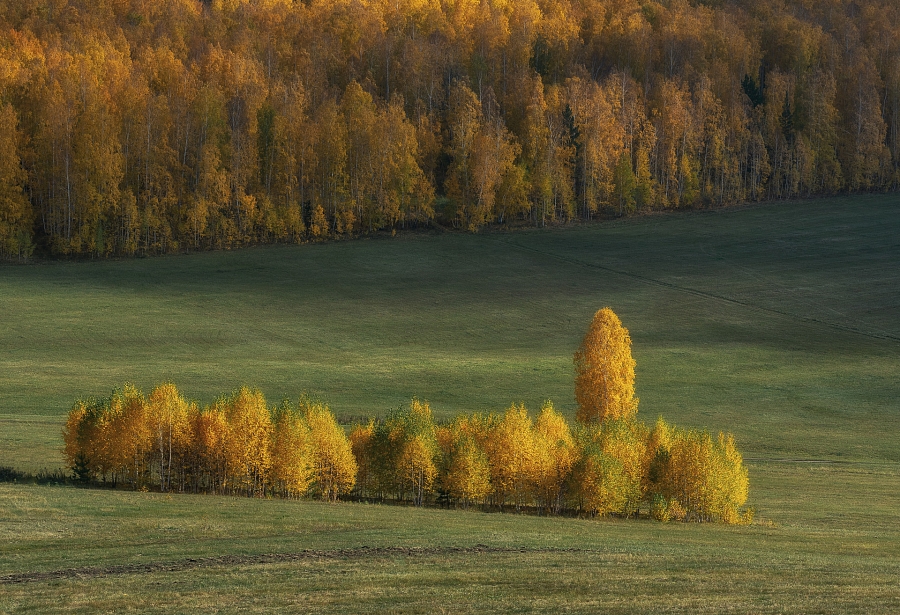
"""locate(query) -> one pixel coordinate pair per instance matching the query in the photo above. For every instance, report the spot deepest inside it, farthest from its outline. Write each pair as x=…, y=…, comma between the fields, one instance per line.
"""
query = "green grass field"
x=833, y=550
x=780, y=323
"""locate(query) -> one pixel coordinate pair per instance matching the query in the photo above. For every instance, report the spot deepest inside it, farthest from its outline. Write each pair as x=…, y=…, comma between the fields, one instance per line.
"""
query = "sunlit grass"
x=810, y=552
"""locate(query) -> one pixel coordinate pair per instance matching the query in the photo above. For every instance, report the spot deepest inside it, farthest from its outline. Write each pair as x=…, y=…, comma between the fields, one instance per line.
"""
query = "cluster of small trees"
x=617, y=466
x=159, y=125
x=609, y=463
x=236, y=445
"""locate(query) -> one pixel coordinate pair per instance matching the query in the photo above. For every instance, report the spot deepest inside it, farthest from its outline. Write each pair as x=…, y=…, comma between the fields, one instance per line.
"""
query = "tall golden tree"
x=361, y=438
x=466, y=475
x=511, y=454
x=209, y=430
x=126, y=437
x=555, y=455
x=167, y=415
x=415, y=463
x=334, y=467
x=291, y=471
x=604, y=371
x=248, y=444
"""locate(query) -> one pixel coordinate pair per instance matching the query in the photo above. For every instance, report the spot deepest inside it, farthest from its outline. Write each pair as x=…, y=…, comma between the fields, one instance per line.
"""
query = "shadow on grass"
x=43, y=477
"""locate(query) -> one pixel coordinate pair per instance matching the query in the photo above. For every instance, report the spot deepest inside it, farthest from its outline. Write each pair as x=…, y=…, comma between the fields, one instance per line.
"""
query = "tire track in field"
x=92, y=572
x=704, y=294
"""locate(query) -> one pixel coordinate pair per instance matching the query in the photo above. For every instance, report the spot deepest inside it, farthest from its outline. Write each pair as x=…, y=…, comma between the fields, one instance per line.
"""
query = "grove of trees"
x=236, y=445
x=151, y=126
x=608, y=463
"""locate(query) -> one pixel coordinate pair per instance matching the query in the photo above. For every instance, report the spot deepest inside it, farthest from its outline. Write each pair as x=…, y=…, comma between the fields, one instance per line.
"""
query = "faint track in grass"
x=836, y=462
x=704, y=294
x=91, y=572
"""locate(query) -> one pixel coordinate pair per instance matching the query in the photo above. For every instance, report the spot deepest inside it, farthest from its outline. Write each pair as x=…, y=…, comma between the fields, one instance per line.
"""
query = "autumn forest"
x=151, y=126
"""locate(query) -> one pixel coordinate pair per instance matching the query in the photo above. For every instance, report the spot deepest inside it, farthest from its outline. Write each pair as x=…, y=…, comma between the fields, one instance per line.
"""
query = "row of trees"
x=236, y=445
x=508, y=460
x=150, y=126
x=609, y=463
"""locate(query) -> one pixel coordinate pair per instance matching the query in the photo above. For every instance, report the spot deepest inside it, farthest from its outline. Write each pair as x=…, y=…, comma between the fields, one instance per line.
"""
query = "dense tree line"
x=610, y=463
x=148, y=126
x=239, y=446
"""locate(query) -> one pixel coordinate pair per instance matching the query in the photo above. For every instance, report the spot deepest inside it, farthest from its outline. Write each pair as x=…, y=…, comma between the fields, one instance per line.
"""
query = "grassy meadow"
x=823, y=556
x=780, y=323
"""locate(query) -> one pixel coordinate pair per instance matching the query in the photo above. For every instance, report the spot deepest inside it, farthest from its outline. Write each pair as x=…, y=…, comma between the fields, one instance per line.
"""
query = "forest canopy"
x=151, y=126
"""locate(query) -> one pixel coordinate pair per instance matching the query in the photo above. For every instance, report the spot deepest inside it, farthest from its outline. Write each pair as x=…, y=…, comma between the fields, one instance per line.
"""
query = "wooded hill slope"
x=150, y=126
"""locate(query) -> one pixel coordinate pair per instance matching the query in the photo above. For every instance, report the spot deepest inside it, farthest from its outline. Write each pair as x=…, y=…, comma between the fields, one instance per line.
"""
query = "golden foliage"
x=15, y=210
x=555, y=453
x=599, y=483
x=511, y=453
x=609, y=475
x=415, y=466
x=403, y=453
x=167, y=413
x=210, y=463
x=239, y=445
x=157, y=127
x=699, y=477
x=465, y=473
x=604, y=371
x=291, y=472
x=361, y=443
x=126, y=437
x=319, y=225
x=248, y=440
x=334, y=467
x=626, y=442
